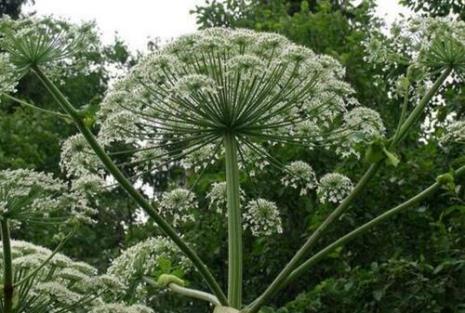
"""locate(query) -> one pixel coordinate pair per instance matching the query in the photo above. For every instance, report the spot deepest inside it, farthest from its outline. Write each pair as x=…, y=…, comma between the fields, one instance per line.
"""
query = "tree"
x=437, y=7
x=12, y=8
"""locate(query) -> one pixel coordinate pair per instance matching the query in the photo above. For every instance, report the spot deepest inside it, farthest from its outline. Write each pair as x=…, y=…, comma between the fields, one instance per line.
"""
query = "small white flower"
x=121, y=308
x=59, y=293
x=198, y=158
x=8, y=76
x=178, y=205
x=144, y=259
x=218, y=197
x=28, y=194
x=361, y=126
x=301, y=176
x=454, y=133
x=194, y=84
x=334, y=187
x=78, y=159
x=262, y=218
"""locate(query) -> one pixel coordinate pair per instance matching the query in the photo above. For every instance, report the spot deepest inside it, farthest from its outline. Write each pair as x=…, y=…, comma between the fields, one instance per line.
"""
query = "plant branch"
x=7, y=267
x=362, y=229
x=128, y=187
x=311, y=241
x=234, y=223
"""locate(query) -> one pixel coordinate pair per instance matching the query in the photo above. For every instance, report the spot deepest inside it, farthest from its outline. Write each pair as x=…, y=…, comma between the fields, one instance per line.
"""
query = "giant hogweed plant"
x=233, y=97
x=35, y=279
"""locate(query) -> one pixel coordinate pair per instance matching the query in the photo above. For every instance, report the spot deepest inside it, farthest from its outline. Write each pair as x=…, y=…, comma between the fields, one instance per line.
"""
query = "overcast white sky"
x=137, y=20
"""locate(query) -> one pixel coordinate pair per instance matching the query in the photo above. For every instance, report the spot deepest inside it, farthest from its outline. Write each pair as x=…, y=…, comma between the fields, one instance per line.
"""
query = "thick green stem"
x=365, y=227
x=234, y=223
x=279, y=281
x=129, y=188
x=7, y=268
x=29, y=105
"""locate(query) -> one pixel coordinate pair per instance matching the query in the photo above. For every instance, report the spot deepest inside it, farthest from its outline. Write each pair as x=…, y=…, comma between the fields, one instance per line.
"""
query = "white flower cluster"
x=259, y=87
x=8, y=76
x=149, y=160
x=262, y=218
x=151, y=257
x=334, y=187
x=62, y=285
x=301, y=176
x=217, y=197
x=79, y=162
x=250, y=160
x=121, y=308
x=201, y=157
x=454, y=133
x=178, y=205
x=29, y=195
x=59, y=47
x=433, y=42
x=426, y=45
x=361, y=126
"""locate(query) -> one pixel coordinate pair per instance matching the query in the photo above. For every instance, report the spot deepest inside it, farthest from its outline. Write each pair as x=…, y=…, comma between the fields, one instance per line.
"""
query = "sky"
x=144, y=19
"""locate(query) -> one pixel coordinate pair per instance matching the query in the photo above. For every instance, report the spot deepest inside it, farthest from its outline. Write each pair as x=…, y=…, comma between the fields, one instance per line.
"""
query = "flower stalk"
x=8, y=288
x=234, y=223
x=128, y=187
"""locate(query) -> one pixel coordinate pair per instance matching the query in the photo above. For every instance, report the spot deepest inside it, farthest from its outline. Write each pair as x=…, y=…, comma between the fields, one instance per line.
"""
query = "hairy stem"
x=129, y=188
x=234, y=223
x=7, y=268
x=278, y=282
x=365, y=227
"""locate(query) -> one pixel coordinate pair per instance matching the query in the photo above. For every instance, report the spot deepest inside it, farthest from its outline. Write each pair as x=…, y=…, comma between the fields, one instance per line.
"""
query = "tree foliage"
x=12, y=8
x=437, y=7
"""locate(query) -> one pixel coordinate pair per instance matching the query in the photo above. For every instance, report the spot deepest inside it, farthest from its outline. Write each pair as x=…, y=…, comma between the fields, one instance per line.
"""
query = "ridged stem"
x=234, y=223
x=129, y=188
x=7, y=268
